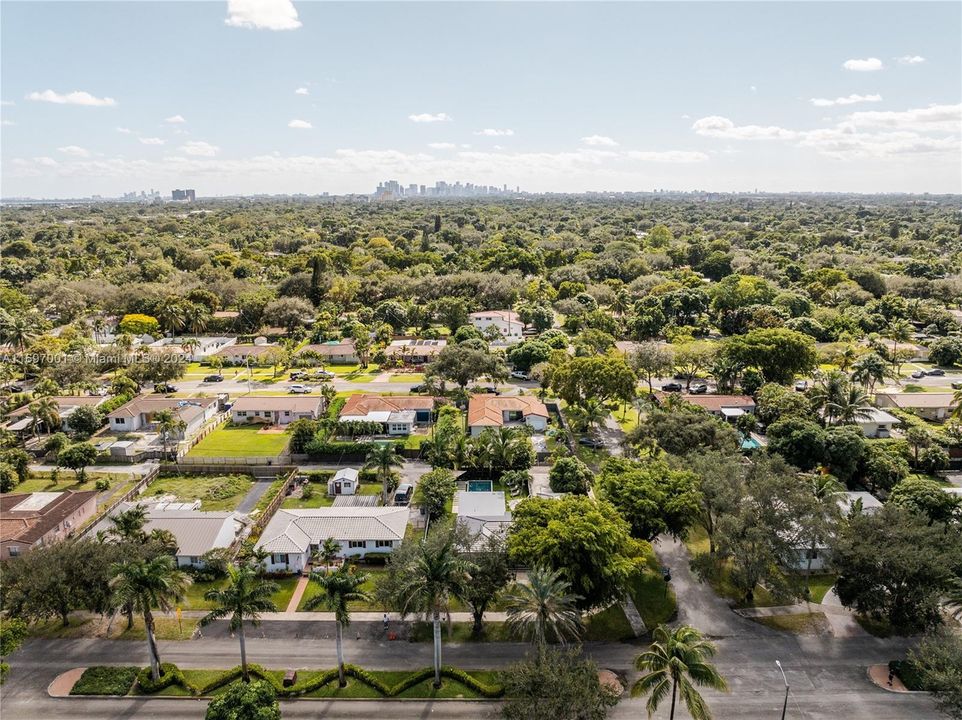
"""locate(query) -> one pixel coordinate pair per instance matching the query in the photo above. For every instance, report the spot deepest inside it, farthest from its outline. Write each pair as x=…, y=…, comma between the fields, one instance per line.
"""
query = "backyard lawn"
x=320, y=497
x=215, y=492
x=241, y=441
x=67, y=480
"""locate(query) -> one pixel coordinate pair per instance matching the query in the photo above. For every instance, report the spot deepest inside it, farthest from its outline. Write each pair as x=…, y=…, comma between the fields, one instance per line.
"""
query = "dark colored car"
x=918, y=374
x=591, y=442
x=957, y=386
x=418, y=388
x=698, y=389
x=214, y=378
x=14, y=388
x=671, y=387
x=164, y=388
x=936, y=373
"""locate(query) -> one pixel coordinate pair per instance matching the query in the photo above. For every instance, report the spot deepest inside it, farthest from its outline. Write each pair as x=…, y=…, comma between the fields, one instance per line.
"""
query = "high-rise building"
x=178, y=195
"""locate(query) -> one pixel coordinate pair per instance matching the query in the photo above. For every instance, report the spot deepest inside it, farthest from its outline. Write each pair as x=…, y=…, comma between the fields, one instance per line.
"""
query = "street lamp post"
x=785, y=704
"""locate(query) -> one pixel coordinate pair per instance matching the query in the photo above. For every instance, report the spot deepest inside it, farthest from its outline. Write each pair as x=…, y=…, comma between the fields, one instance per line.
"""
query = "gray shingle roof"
x=291, y=531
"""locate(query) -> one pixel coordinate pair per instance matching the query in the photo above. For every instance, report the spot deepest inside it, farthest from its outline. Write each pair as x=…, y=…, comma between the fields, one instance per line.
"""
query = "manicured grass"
x=285, y=591
x=414, y=442
x=321, y=498
x=462, y=632
x=369, y=585
x=215, y=492
x=814, y=623
x=410, y=378
x=819, y=585
x=165, y=629
x=878, y=628
x=720, y=580
x=194, y=598
x=241, y=441
x=609, y=624
x=627, y=417
x=105, y=680
x=67, y=480
x=654, y=600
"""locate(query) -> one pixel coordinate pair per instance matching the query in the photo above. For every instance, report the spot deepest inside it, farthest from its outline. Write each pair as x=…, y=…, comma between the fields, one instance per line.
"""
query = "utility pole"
x=785, y=704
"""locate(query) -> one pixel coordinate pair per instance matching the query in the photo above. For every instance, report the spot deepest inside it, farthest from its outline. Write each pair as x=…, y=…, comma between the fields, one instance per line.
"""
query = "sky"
x=274, y=96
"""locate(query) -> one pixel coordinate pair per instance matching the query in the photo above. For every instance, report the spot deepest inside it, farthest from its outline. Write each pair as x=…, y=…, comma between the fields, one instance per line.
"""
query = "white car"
x=300, y=389
x=519, y=375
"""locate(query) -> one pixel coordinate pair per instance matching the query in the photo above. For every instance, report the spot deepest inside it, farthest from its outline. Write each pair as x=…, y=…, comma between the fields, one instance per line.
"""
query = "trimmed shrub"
x=170, y=674
x=105, y=680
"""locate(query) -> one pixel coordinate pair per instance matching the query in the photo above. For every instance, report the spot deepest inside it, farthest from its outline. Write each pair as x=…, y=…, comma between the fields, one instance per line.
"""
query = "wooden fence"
x=133, y=492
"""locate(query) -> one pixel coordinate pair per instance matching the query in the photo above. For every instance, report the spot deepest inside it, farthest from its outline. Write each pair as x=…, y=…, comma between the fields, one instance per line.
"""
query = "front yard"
x=215, y=492
x=241, y=441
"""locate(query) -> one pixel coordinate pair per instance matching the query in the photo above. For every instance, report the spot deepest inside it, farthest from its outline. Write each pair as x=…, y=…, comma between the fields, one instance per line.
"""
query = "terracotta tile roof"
x=365, y=404
x=714, y=403
x=29, y=525
x=489, y=409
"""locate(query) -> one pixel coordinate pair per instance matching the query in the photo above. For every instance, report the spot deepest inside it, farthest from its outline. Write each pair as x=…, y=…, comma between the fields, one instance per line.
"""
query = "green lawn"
x=40, y=481
x=462, y=632
x=215, y=492
x=166, y=628
x=609, y=624
x=814, y=623
x=321, y=498
x=409, y=378
x=819, y=585
x=241, y=441
x=372, y=573
x=655, y=602
x=720, y=581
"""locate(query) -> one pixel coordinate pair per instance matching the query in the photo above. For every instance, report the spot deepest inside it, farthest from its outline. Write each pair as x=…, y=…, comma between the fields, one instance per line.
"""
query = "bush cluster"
x=105, y=680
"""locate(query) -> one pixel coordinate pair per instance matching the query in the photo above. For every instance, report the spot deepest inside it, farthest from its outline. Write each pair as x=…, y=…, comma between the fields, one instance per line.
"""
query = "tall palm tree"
x=382, y=459
x=957, y=402
x=340, y=587
x=247, y=595
x=328, y=551
x=869, y=370
x=544, y=609
x=829, y=388
x=676, y=662
x=852, y=406
x=129, y=524
x=171, y=314
x=145, y=585
x=436, y=573
x=195, y=317
x=898, y=331
x=590, y=413
x=500, y=448
x=846, y=357
x=168, y=424
x=189, y=345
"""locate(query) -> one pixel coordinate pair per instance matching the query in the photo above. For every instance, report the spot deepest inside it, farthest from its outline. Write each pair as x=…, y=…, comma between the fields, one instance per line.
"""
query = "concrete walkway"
x=298, y=593
x=634, y=617
x=253, y=496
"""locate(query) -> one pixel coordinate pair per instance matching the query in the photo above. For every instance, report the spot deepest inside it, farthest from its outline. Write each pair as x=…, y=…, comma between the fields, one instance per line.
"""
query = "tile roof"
x=366, y=404
x=345, y=347
x=292, y=531
x=243, y=350
x=196, y=531
x=489, y=409
x=920, y=400
x=294, y=403
x=187, y=408
x=28, y=524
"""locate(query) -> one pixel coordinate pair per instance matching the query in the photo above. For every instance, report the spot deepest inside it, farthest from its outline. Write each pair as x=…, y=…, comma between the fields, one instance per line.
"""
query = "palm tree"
x=168, y=424
x=846, y=357
x=953, y=596
x=898, y=331
x=852, y=406
x=328, y=551
x=825, y=491
x=195, y=317
x=957, y=402
x=20, y=330
x=340, y=588
x=678, y=660
x=46, y=412
x=145, y=585
x=189, y=345
x=544, y=609
x=828, y=390
x=246, y=596
x=382, y=459
x=499, y=448
x=590, y=413
x=435, y=574
x=129, y=524
x=171, y=314
x=869, y=370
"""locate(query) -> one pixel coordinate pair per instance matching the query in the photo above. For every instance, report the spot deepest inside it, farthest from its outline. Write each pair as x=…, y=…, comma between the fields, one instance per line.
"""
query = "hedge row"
x=105, y=680
x=172, y=675
x=344, y=447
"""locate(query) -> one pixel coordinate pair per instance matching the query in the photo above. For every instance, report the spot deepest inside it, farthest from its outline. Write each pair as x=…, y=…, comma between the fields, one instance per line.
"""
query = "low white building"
x=195, y=348
x=507, y=322
x=276, y=409
x=495, y=411
x=877, y=423
x=483, y=513
x=928, y=405
x=821, y=558
x=139, y=414
x=336, y=353
x=293, y=536
x=344, y=482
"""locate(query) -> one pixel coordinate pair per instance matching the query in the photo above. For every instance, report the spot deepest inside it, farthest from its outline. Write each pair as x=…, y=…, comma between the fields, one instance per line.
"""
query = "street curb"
x=868, y=673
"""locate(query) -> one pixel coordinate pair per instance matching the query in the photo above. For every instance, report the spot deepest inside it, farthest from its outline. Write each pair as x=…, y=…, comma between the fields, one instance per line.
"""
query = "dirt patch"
x=879, y=674
x=271, y=430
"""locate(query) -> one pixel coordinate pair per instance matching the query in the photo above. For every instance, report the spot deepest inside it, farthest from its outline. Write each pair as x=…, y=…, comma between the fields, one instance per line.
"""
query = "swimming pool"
x=479, y=486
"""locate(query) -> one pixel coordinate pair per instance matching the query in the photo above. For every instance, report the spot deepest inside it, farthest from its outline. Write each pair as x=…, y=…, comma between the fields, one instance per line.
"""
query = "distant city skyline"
x=252, y=97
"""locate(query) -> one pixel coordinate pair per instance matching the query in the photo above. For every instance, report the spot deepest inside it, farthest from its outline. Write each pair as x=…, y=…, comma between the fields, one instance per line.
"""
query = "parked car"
x=214, y=378
x=698, y=389
x=165, y=388
x=671, y=387
x=418, y=388
x=14, y=388
x=299, y=389
x=801, y=386
x=590, y=442
x=918, y=374
x=402, y=496
x=957, y=385
x=297, y=375
x=324, y=374
x=519, y=375
x=938, y=372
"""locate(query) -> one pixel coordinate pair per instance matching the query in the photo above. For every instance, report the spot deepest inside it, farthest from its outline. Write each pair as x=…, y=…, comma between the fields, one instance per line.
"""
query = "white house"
x=483, y=513
x=242, y=354
x=276, y=409
x=202, y=346
x=929, y=405
x=507, y=322
x=139, y=413
x=877, y=423
x=397, y=414
x=821, y=560
x=344, y=482
x=411, y=351
x=494, y=411
x=20, y=420
x=197, y=532
x=292, y=536
x=336, y=353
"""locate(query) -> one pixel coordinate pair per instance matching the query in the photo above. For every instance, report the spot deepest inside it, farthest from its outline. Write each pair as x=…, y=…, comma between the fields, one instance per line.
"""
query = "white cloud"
x=867, y=65
x=910, y=60
x=430, y=118
x=668, y=156
x=686, y=116
x=599, y=141
x=199, y=148
x=299, y=124
x=301, y=91
x=74, y=151
x=717, y=126
x=262, y=14
x=175, y=119
x=935, y=118
x=7, y=122
x=442, y=146
x=847, y=100
x=77, y=97
x=7, y=103
x=494, y=132
x=124, y=131
x=151, y=141
x=46, y=161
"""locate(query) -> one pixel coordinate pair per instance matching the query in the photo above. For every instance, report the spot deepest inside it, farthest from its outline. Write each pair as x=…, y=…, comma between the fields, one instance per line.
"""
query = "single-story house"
x=411, y=351
x=203, y=345
x=397, y=414
x=727, y=407
x=344, y=482
x=483, y=513
x=241, y=354
x=821, y=559
x=292, y=536
x=197, y=532
x=139, y=413
x=920, y=353
x=931, y=406
x=276, y=409
x=868, y=502
x=507, y=322
x=877, y=423
x=42, y=518
x=20, y=421
x=336, y=353
x=494, y=411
